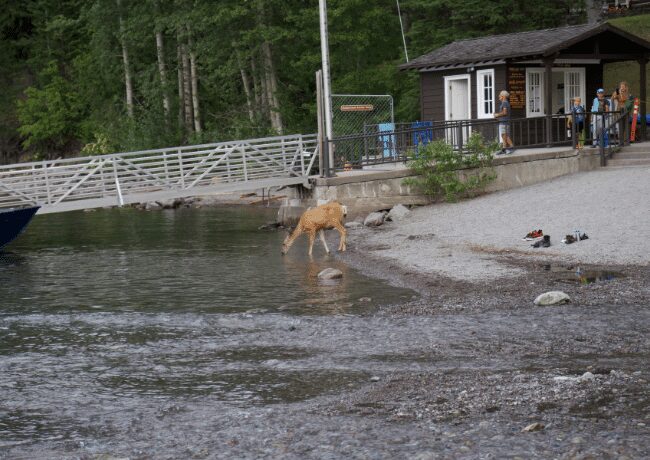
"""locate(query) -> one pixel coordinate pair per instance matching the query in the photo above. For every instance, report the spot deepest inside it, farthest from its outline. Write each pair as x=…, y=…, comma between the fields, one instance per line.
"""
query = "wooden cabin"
x=543, y=70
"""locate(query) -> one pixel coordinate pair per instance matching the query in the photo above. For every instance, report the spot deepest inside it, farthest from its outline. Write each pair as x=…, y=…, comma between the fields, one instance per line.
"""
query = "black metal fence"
x=396, y=142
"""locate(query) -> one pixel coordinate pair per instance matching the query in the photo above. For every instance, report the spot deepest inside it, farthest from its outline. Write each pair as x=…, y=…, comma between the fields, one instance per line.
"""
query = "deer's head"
x=287, y=242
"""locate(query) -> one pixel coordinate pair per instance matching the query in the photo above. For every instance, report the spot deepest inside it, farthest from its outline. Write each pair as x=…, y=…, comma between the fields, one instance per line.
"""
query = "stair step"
x=626, y=154
x=631, y=162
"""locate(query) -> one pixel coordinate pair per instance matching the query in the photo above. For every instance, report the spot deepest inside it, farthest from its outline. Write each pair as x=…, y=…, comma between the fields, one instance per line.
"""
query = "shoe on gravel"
x=530, y=236
x=569, y=239
x=584, y=237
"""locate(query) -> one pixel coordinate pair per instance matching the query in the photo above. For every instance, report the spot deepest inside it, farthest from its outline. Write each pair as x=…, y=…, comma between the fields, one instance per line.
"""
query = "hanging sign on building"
x=517, y=87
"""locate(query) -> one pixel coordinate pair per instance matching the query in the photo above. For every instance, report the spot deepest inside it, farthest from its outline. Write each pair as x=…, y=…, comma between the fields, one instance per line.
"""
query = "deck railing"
x=377, y=145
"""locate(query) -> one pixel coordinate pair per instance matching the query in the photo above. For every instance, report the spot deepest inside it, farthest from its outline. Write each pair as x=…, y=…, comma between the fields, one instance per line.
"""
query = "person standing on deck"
x=598, y=109
x=504, y=123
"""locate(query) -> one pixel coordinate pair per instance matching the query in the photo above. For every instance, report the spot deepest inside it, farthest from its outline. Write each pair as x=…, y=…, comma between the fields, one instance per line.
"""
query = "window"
x=485, y=93
x=566, y=84
x=534, y=92
x=574, y=86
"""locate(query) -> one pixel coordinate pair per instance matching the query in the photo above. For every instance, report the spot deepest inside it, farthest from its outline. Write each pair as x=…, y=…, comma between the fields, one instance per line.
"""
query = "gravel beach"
x=460, y=240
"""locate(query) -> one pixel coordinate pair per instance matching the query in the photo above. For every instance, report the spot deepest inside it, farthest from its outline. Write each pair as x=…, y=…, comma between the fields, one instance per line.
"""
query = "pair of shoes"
x=501, y=152
x=569, y=239
x=530, y=236
x=510, y=151
x=543, y=243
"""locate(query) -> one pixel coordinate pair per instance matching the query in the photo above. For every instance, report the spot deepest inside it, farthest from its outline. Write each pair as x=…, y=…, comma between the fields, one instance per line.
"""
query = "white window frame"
x=581, y=85
x=529, y=72
x=449, y=78
x=480, y=94
x=542, y=73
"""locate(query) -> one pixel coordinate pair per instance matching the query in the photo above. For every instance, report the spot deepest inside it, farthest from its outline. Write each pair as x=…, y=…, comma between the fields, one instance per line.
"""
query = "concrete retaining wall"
x=367, y=190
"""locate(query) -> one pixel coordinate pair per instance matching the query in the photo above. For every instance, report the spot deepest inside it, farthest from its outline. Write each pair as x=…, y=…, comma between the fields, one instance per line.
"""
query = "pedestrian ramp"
x=152, y=175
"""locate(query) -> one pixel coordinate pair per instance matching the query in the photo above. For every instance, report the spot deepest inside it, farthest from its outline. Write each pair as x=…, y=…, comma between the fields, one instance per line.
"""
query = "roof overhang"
x=461, y=65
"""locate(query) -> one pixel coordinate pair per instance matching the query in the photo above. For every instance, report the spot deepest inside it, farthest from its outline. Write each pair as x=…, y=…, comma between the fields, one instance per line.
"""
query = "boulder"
x=330, y=274
x=152, y=206
x=374, y=219
x=533, y=427
x=399, y=212
x=552, y=298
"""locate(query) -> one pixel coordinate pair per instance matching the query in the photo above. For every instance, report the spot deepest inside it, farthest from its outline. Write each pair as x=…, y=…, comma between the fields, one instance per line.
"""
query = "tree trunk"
x=128, y=81
x=247, y=86
x=181, y=85
x=187, y=90
x=272, y=89
x=162, y=70
x=195, y=84
x=257, y=88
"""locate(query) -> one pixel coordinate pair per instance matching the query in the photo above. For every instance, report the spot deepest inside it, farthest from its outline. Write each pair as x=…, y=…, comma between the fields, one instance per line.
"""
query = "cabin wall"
x=432, y=90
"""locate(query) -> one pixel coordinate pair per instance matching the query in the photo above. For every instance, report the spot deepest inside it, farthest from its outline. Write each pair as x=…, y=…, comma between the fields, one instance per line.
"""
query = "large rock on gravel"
x=330, y=274
x=533, y=427
x=353, y=225
x=552, y=298
x=399, y=212
x=374, y=219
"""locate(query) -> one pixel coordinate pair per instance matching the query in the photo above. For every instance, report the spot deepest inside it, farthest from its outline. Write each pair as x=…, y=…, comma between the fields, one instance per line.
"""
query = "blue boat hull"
x=13, y=222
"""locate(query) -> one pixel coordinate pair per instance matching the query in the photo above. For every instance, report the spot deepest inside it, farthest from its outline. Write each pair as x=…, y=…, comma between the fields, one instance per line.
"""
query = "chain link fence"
x=355, y=113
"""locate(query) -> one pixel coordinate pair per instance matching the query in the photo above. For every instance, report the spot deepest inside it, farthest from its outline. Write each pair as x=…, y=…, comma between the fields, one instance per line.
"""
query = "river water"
x=117, y=312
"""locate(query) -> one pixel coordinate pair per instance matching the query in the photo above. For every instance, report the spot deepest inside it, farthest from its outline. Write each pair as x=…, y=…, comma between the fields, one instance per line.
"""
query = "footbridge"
x=150, y=175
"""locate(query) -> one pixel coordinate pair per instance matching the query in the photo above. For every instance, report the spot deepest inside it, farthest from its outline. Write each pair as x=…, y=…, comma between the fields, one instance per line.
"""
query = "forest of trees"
x=97, y=76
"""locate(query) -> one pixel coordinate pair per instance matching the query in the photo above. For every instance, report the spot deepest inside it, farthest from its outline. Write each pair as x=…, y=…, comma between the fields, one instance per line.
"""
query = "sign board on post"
x=358, y=108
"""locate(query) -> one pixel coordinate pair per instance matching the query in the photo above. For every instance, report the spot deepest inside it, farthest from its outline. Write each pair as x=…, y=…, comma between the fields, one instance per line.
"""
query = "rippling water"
x=120, y=310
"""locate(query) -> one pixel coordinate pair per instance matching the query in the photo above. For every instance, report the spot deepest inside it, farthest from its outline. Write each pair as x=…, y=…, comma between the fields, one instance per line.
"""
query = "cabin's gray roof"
x=514, y=45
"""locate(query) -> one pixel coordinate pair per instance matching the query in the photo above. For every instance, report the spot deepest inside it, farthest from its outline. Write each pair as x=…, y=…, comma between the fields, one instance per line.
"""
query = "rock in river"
x=399, y=212
x=330, y=274
x=374, y=219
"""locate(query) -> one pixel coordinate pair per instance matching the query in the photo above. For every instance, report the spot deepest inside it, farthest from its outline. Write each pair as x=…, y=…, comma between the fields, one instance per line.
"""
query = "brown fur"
x=315, y=220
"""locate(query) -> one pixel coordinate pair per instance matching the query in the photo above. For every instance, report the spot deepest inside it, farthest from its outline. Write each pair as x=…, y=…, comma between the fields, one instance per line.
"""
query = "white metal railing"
x=120, y=178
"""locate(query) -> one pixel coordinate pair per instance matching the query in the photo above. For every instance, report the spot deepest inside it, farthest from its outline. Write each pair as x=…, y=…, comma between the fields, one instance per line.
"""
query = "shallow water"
x=121, y=310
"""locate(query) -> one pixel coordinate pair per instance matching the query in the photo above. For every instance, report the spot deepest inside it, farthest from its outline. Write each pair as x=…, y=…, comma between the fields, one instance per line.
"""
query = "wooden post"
x=548, y=98
x=643, y=95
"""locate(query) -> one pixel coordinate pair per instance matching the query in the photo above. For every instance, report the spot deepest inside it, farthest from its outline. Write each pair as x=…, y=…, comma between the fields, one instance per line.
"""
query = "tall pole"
x=327, y=93
x=401, y=25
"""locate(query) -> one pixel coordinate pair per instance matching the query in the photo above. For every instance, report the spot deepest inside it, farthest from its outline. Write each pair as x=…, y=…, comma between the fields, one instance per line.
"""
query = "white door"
x=458, y=99
x=457, y=107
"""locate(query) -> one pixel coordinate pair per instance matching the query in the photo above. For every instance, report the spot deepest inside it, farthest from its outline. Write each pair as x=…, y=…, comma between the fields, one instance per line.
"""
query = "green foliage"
x=49, y=114
x=81, y=99
x=443, y=172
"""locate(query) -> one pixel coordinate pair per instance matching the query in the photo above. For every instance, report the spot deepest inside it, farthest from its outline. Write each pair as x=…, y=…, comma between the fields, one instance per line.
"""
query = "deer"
x=318, y=219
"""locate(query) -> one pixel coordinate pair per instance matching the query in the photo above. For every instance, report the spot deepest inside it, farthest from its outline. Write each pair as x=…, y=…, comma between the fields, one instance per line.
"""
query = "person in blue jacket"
x=599, y=107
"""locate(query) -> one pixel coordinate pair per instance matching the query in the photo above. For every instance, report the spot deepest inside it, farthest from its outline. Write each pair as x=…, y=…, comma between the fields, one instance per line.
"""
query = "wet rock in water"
x=586, y=377
x=330, y=274
x=374, y=219
x=365, y=299
x=269, y=226
x=353, y=225
x=552, y=298
x=399, y=212
x=374, y=378
x=152, y=206
x=172, y=203
x=533, y=427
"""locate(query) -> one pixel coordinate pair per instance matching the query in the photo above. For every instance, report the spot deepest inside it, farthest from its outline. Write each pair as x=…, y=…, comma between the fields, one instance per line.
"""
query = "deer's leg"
x=339, y=226
x=312, y=237
x=322, y=238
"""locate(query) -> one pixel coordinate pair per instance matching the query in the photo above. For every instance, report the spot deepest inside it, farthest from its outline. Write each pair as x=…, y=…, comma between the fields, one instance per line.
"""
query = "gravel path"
x=462, y=240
